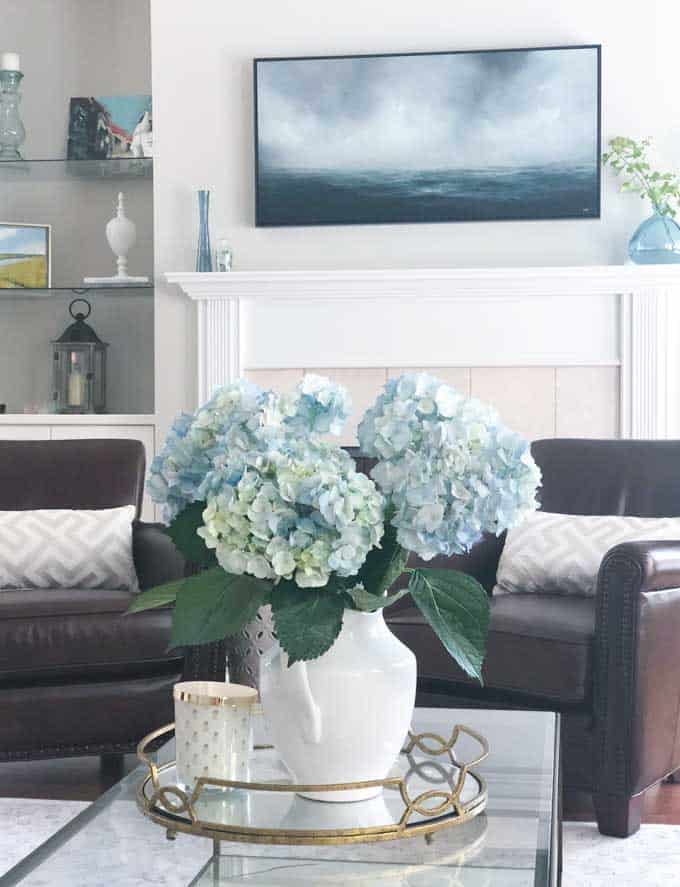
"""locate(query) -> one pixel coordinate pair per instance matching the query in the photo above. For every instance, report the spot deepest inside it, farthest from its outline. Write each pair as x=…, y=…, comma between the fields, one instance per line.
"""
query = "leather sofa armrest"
x=658, y=563
x=637, y=667
x=157, y=560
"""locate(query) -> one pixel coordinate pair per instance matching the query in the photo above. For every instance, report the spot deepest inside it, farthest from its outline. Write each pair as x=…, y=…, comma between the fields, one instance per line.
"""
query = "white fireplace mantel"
x=612, y=315
x=428, y=283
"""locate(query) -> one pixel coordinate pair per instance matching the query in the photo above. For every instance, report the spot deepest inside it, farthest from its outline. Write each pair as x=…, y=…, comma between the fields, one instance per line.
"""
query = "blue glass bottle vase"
x=656, y=241
x=203, y=253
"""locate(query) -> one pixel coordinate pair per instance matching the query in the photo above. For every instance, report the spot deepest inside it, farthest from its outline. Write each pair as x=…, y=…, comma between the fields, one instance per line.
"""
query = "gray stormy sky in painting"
x=429, y=112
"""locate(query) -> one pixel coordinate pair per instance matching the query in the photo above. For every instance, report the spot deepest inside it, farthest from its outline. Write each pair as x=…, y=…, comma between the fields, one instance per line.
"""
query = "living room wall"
x=202, y=83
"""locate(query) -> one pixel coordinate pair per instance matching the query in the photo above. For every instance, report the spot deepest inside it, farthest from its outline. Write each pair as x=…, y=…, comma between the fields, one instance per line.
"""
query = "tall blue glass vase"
x=656, y=241
x=203, y=253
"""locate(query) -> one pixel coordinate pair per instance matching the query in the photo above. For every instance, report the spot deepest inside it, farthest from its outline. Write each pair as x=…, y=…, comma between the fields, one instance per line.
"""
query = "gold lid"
x=214, y=693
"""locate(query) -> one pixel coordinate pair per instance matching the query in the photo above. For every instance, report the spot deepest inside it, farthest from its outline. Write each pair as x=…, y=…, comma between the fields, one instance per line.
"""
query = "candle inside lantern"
x=10, y=61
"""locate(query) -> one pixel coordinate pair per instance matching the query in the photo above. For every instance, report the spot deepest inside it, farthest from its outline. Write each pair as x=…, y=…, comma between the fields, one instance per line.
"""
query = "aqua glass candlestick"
x=12, y=132
x=203, y=253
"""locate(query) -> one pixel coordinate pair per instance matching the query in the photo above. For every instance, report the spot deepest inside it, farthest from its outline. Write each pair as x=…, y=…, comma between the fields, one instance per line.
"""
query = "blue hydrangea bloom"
x=280, y=501
x=448, y=466
x=318, y=406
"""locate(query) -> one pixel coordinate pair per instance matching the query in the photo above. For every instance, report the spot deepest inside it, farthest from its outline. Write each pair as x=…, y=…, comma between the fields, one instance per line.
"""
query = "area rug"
x=651, y=858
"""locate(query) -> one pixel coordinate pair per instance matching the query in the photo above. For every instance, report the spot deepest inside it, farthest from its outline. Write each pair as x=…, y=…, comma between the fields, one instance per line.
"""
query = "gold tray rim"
x=458, y=813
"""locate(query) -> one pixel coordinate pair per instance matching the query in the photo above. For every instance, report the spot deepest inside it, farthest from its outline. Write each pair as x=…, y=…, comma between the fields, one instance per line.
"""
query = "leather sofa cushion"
x=539, y=645
x=87, y=717
x=51, y=634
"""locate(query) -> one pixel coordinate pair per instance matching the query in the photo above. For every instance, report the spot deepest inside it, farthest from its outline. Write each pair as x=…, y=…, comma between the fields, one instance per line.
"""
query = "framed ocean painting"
x=428, y=137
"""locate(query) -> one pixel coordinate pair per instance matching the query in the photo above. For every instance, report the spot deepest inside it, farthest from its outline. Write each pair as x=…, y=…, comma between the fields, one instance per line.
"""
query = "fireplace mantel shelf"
x=429, y=283
x=483, y=317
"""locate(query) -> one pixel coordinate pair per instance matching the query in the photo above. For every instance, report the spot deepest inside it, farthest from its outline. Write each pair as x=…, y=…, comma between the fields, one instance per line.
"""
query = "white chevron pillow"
x=562, y=553
x=64, y=548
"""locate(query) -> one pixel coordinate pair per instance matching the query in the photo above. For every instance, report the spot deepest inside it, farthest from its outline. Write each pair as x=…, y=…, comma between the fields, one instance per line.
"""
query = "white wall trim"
x=613, y=315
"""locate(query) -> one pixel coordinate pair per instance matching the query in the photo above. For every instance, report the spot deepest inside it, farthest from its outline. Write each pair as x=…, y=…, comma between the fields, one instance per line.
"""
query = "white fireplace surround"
x=596, y=316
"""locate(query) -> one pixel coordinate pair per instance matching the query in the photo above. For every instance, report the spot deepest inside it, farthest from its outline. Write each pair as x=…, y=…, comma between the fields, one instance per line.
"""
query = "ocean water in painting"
x=428, y=137
x=318, y=197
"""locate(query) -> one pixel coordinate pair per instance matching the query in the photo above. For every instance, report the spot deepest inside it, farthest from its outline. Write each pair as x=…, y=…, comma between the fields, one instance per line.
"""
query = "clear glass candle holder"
x=12, y=132
x=223, y=256
x=213, y=730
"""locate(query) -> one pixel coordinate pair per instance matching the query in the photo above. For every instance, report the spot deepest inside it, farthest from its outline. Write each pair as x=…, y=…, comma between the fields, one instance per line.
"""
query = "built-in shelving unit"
x=76, y=198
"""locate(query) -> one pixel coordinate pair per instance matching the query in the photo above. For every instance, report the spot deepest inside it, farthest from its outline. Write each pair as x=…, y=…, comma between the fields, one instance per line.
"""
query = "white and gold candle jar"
x=213, y=730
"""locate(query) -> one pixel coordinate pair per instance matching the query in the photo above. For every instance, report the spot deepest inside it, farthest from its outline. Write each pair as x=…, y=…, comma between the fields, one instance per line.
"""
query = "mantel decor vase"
x=343, y=717
x=203, y=252
x=656, y=241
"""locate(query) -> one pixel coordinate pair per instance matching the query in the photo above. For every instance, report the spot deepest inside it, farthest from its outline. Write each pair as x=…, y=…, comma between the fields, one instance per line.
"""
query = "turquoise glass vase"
x=656, y=241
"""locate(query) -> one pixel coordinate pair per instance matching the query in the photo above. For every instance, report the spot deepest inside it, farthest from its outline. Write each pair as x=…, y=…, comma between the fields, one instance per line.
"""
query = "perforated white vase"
x=343, y=717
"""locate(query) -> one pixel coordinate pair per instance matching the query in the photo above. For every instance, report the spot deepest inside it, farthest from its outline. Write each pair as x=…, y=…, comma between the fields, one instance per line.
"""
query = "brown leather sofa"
x=609, y=665
x=76, y=676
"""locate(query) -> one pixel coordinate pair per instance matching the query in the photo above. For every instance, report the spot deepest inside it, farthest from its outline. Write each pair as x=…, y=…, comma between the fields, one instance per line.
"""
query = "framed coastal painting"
x=25, y=256
x=428, y=137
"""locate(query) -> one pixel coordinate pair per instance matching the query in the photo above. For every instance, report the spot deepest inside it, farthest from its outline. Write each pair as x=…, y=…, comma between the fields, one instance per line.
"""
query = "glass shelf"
x=45, y=292
x=41, y=169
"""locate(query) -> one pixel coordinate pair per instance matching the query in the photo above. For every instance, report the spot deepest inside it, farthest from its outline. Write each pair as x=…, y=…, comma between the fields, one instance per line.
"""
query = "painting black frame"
x=597, y=210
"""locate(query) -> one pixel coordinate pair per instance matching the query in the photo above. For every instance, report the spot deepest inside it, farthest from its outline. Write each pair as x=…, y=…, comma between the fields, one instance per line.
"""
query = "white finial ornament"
x=121, y=233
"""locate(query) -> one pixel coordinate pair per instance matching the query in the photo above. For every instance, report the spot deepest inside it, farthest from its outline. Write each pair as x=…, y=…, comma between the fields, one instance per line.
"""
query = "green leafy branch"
x=629, y=159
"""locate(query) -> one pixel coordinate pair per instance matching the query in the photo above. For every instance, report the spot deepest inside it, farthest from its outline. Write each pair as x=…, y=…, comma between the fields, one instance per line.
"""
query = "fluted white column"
x=645, y=364
x=219, y=358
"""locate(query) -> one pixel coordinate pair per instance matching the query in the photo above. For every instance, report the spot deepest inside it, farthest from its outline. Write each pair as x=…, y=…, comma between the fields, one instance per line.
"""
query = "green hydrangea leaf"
x=457, y=608
x=369, y=603
x=384, y=565
x=160, y=596
x=213, y=605
x=182, y=531
x=307, y=620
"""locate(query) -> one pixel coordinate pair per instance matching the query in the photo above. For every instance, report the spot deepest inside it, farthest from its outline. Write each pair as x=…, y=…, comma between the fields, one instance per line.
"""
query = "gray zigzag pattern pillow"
x=65, y=548
x=562, y=553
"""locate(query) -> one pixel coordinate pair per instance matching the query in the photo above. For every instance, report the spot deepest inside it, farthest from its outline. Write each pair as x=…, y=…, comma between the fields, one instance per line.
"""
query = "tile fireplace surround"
x=579, y=351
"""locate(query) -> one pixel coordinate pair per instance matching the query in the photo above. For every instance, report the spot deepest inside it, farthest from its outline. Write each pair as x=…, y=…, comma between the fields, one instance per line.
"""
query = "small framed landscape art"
x=428, y=137
x=25, y=256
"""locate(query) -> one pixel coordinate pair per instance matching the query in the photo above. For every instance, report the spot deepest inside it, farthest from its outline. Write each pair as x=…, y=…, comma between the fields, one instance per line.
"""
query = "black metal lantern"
x=79, y=366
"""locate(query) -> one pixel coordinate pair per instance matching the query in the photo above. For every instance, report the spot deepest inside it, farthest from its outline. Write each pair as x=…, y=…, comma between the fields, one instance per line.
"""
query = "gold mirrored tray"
x=429, y=788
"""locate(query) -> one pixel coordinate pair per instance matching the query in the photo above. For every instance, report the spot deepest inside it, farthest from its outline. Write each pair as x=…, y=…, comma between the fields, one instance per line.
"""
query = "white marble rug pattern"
x=650, y=858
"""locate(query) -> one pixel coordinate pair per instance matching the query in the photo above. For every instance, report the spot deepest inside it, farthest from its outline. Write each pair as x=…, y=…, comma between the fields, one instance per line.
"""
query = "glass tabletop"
x=513, y=843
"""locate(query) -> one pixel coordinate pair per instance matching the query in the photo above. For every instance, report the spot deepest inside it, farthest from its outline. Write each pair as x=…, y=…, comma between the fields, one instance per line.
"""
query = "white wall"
x=202, y=84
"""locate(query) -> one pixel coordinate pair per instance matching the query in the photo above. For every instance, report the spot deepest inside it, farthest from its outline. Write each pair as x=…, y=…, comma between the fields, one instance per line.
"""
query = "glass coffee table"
x=515, y=842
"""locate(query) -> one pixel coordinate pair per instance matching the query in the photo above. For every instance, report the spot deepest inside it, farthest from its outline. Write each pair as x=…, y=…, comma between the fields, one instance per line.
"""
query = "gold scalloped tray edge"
x=174, y=808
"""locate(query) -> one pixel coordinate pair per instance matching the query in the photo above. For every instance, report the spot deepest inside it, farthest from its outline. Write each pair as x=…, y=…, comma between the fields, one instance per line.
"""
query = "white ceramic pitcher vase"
x=343, y=717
